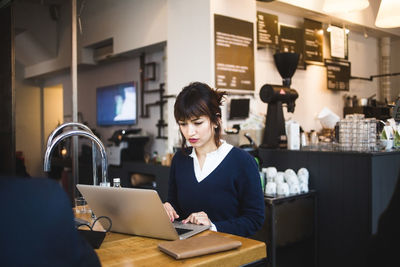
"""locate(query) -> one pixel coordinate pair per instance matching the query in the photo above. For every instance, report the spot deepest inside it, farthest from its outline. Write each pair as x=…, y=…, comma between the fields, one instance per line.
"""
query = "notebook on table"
x=136, y=212
x=197, y=246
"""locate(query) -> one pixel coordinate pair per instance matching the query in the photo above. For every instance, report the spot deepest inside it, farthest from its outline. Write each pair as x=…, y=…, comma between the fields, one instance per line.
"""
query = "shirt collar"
x=224, y=145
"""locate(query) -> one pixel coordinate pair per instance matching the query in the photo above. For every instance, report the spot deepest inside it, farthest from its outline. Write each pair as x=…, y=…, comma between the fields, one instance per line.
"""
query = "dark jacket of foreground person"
x=37, y=226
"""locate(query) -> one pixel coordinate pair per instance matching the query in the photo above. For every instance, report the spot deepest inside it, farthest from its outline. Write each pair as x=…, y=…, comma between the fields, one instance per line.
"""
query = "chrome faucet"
x=67, y=124
x=87, y=134
x=81, y=126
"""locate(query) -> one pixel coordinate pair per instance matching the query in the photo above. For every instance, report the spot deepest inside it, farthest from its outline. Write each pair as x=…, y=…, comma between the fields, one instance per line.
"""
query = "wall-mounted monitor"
x=239, y=108
x=117, y=104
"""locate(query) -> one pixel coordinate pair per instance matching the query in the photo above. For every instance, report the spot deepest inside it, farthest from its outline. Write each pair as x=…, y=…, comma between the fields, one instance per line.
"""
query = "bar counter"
x=353, y=189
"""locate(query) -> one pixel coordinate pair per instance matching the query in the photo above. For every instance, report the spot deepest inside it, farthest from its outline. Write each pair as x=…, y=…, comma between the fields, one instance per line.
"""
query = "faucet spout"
x=67, y=124
x=82, y=127
x=87, y=134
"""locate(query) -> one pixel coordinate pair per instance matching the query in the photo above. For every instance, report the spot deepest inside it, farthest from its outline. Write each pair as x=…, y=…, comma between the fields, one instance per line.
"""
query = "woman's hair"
x=198, y=99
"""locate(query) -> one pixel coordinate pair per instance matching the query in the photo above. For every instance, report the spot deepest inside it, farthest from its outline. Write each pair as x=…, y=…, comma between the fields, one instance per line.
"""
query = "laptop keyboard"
x=181, y=231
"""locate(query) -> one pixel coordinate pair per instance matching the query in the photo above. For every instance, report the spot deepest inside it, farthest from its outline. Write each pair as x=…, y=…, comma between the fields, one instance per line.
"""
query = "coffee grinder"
x=275, y=96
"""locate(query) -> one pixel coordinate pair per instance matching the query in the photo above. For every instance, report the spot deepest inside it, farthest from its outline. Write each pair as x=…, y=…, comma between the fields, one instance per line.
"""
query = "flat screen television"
x=117, y=104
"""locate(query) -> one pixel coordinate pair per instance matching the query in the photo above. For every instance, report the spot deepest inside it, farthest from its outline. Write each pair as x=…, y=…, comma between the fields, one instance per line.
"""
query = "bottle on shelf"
x=116, y=182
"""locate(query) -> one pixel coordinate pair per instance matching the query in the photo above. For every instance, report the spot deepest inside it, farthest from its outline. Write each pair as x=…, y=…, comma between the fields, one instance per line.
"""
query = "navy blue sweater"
x=231, y=195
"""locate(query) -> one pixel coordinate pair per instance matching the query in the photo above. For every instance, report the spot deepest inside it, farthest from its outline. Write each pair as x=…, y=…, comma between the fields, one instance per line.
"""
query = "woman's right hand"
x=170, y=211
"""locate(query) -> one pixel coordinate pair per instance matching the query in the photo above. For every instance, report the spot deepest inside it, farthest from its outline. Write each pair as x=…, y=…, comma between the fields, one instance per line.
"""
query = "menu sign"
x=292, y=41
x=313, y=41
x=234, y=53
x=267, y=29
x=338, y=74
x=338, y=42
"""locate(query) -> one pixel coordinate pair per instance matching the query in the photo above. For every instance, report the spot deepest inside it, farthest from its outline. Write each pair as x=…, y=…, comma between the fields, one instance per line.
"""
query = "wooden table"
x=128, y=250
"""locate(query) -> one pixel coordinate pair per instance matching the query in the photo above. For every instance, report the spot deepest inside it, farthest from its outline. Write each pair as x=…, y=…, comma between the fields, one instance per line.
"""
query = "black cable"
x=79, y=224
x=101, y=217
x=84, y=224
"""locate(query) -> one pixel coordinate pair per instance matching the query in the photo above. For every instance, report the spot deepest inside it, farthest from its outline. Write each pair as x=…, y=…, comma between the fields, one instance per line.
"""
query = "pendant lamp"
x=341, y=6
x=388, y=14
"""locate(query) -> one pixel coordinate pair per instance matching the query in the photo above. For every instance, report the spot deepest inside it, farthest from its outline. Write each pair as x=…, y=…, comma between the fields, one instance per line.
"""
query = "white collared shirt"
x=213, y=159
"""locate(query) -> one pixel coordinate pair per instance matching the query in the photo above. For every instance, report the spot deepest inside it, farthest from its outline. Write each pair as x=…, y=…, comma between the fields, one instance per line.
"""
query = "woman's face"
x=199, y=132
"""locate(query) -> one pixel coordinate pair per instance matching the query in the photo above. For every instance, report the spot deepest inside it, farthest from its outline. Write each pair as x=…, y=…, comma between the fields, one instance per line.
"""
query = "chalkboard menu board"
x=338, y=74
x=292, y=41
x=313, y=41
x=267, y=29
x=234, y=53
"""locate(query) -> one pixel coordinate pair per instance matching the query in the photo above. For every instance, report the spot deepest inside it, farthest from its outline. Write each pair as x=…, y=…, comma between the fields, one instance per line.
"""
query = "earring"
x=215, y=126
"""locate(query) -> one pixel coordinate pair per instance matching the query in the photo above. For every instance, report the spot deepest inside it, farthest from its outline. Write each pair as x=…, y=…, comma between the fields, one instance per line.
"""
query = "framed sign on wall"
x=267, y=30
x=234, y=53
x=338, y=42
x=292, y=41
x=338, y=74
x=313, y=42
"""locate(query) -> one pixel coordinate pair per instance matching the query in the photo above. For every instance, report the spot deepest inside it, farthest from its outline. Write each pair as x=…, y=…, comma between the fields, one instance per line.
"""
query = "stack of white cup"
x=293, y=182
x=303, y=176
x=285, y=183
x=270, y=186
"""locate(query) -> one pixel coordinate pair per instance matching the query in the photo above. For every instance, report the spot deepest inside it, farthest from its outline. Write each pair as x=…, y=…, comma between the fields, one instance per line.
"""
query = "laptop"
x=136, y=212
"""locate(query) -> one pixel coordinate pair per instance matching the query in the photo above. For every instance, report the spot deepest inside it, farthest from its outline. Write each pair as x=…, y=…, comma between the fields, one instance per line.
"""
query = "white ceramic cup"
x=290, y=172
x=303, y=179
x=303, y=188
x=270, y=173
x=291, y=178
x=303, y=171
x=279, y=178
x=282, y=189
x=294, y=188
x=270, y=189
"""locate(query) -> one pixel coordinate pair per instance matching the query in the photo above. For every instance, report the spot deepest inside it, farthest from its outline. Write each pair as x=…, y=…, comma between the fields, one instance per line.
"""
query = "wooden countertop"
x=128, y=250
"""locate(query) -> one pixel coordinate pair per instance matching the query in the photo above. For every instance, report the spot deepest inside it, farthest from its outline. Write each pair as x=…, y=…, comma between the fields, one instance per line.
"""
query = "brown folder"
x=198, y=245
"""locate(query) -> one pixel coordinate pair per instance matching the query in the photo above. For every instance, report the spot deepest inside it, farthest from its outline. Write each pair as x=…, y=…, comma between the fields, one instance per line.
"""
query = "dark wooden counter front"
x=353, y=189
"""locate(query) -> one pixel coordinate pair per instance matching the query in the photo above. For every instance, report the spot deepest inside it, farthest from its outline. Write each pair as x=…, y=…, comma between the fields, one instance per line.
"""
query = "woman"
x=212, y=182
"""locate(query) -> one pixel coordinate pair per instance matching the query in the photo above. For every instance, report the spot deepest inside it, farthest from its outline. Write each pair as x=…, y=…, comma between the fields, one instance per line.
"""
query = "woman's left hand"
x=198, y=218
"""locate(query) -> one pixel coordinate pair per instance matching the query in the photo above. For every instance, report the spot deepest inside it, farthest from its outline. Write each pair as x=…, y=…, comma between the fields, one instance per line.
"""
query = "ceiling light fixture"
x=388, y=14
x=340, y=6
x=365, y=33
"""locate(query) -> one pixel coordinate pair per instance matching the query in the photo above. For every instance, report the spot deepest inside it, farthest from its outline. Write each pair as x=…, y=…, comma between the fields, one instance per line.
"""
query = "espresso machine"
x=276, y=96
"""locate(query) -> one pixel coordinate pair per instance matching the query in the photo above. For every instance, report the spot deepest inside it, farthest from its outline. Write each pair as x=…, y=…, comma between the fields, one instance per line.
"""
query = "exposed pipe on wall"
x=385, y=90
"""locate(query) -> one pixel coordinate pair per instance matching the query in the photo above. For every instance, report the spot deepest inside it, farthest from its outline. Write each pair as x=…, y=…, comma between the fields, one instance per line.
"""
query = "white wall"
x=53, y=109
x=62, y=39
x=131, y=23
x=28, y=126
x=311, y=83
x=114, y=73
x=190, y=48
x=188, y=51
x=37, y=112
